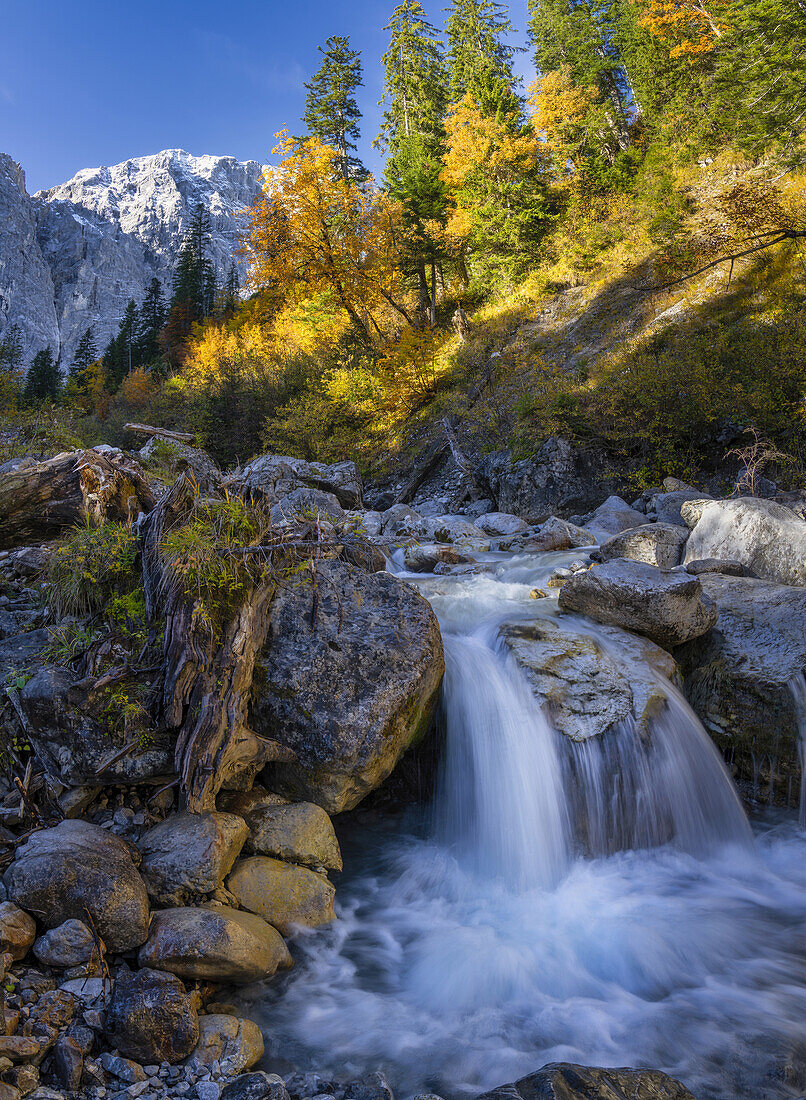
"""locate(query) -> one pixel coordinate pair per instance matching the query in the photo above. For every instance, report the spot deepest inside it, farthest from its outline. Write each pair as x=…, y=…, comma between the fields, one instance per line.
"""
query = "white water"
x=600, y=903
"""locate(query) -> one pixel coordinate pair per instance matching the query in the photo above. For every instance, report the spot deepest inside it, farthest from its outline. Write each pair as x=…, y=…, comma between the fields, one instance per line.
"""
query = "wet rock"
x=565, y=1081
x=278, y=475
x=255, y=1086
x=216, y=943
x=588, y=685
x=17, y=930
x=348, y=688
x=71, y=944
x=76, y=866
x=424, y=558
x=554, y=534
x=68, y=1063
x=190, y=854
x=669, y=608
x=659, y=544
x=399, y=520
x=300, y=832
x=307, y=502
x=235, y=1043
x=766, y=537
x=151, y=1018
x=284, y=894
x=613, y=517
x=501, y=523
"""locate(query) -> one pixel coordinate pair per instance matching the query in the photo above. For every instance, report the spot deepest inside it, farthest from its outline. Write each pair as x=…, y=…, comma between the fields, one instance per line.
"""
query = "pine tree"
x=331, y=110
x=194, y=284
x=43, y=381
x=11, y=350
x=150, y=323
x=85, y=355
x=479, y=58
x=232, y=288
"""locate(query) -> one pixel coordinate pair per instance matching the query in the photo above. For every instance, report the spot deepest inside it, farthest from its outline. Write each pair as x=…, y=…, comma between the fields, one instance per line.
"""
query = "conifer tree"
x=331, y=110
x=85, y=355
x=150, y=323
x=11, y=350
x=43, y=381
x=479, y=58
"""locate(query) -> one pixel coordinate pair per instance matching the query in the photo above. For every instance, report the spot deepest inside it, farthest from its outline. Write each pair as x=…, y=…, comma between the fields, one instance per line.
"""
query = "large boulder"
x=71, y=944
x=590, y=685
x=348, y=679
x=190, y=854
x=501, y=523
x=38, y=500
x=669, y=608
x=745, y=679
x=425, y=557
x=284, y=894
x=278, y=475
x=558, y=478
x=668, y=507
x=214, y=943
x=75, y=746
x=659, y=544
x=151, y=1018
x=171, y=457
x=613, y=517
x=307, y=502
x=566, y=1081
x=75, y=867
x=455, y=530
x=299, y=832
x=767, y=538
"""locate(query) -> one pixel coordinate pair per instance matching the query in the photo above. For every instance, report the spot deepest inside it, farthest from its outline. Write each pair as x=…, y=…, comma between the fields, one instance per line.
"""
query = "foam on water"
x=601, y=903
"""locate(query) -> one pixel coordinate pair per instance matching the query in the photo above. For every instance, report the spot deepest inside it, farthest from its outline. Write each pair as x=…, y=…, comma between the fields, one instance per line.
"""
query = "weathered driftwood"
x=206, y=677
x=40, y=499
x=147, y=429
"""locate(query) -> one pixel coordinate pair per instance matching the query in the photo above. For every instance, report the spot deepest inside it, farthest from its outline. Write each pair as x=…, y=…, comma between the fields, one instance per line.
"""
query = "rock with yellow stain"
x=284, y=894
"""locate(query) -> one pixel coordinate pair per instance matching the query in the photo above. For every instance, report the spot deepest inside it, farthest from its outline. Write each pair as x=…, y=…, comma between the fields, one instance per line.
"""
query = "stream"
x=558, y=901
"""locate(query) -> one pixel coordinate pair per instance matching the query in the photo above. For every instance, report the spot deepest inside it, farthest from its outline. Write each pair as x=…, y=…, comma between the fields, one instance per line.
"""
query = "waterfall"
x=798, y=688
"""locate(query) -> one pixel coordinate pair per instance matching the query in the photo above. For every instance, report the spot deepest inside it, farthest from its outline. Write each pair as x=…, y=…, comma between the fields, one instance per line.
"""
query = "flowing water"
x=603, y=902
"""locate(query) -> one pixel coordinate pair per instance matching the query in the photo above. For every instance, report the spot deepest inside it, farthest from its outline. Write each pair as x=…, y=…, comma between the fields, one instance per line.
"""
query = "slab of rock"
x=307, y=502
x=565, y=1081
x=669, y=608
x=745, y=679
x=613, y=517
x=151, y=1018
x=423, y=558
x=348, y=680
x=501, y=523
x=123, y=1068
x=17, y=930
x=717, y=565
x=235, y=1043
x=283, y=893
x=190, y=854
x=68, y=1062
x=300, y=832
x=255, y=1086
x=766, y=537
x=659, y=544
x=71, y=944
x=278, y=475
x=591, y=685
x=60, y=873
x=216, y=943
x=454, y=530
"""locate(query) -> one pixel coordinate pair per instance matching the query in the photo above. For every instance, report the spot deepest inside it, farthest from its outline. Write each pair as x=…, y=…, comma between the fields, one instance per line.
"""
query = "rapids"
x=600, y=903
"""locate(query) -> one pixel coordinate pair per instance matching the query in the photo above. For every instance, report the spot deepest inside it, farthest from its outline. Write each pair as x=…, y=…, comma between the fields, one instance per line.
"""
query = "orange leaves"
x=478, y=141
x=561, y=111
x=689, y=26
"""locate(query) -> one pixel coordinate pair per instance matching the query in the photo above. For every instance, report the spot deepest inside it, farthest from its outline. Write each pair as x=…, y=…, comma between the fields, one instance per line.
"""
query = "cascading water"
x=599, y=902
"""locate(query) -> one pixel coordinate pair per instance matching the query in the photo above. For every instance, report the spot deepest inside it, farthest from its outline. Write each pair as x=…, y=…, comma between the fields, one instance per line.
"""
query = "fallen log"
x=147, y=429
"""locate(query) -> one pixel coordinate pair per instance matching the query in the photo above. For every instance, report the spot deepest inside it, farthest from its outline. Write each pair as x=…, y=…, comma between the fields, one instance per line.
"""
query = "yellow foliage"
x=690, y=26
x=137, y=389
x=560, y=112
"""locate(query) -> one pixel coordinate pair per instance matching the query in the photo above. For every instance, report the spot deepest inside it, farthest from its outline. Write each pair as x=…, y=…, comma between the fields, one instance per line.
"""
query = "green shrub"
x=90, y=567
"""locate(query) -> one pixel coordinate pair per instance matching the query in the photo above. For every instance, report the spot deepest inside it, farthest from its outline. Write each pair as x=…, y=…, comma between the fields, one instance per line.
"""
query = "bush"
x=92, y=569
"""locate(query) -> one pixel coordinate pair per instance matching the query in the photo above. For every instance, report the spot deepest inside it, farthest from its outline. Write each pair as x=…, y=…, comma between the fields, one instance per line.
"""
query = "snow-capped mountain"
x=72, y=256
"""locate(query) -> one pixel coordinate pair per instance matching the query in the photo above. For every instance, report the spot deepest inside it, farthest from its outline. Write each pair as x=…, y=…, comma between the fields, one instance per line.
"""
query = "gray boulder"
x=71, y=944
x=745, y=679
x=590, y=685
x=669, y=608
x=559, y=477
x=60, y=873
x=307, y=502
x=717, y=565
x=300, y=832
x=424, y=557
x=400, y=521
x=668, y=506
x=500, y=523
x=278, y=475
x=348, y=679
x=766, y=537
x=190, y=854
x=236, y=1044
x=151, y=1018
x=177, y=458
x=566, y=1081
x=455, y=530
x=612, y=517
x=659, y=544
x=214, y=943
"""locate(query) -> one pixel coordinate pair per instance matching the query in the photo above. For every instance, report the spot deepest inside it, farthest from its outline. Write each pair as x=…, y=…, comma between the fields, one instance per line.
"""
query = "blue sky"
x=93, y=82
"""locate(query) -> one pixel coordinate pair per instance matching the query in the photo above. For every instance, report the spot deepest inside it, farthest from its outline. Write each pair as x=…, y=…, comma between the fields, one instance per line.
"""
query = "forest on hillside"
x=659, y=150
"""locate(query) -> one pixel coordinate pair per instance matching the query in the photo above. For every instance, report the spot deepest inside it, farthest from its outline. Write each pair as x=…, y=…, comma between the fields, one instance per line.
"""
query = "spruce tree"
x=11, y=350
x=331, y=110
x=479, y=58
x=151, y=322
x=43, y=381
x=85, y=355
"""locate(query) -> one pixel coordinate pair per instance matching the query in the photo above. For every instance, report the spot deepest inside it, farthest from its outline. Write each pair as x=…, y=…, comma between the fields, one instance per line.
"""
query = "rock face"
x=558, y=478
x=72, y=257
x=590, y=685
x=282, y=893
x=279, y=475
x=27, y=296
x=767, y=538
x=565, y=1081
x=190, y=854
x=669, y=608
x=659, y=544
x=60, y=872
x=351, y=676
x=216, y=943
x=151, y=1017
x=745, y=679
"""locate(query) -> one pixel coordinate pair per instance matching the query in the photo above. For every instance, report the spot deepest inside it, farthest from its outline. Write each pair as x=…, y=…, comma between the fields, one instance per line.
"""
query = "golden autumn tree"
x=690, y=27
x=314, y=232
x=494, y=173
x=562, y=116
